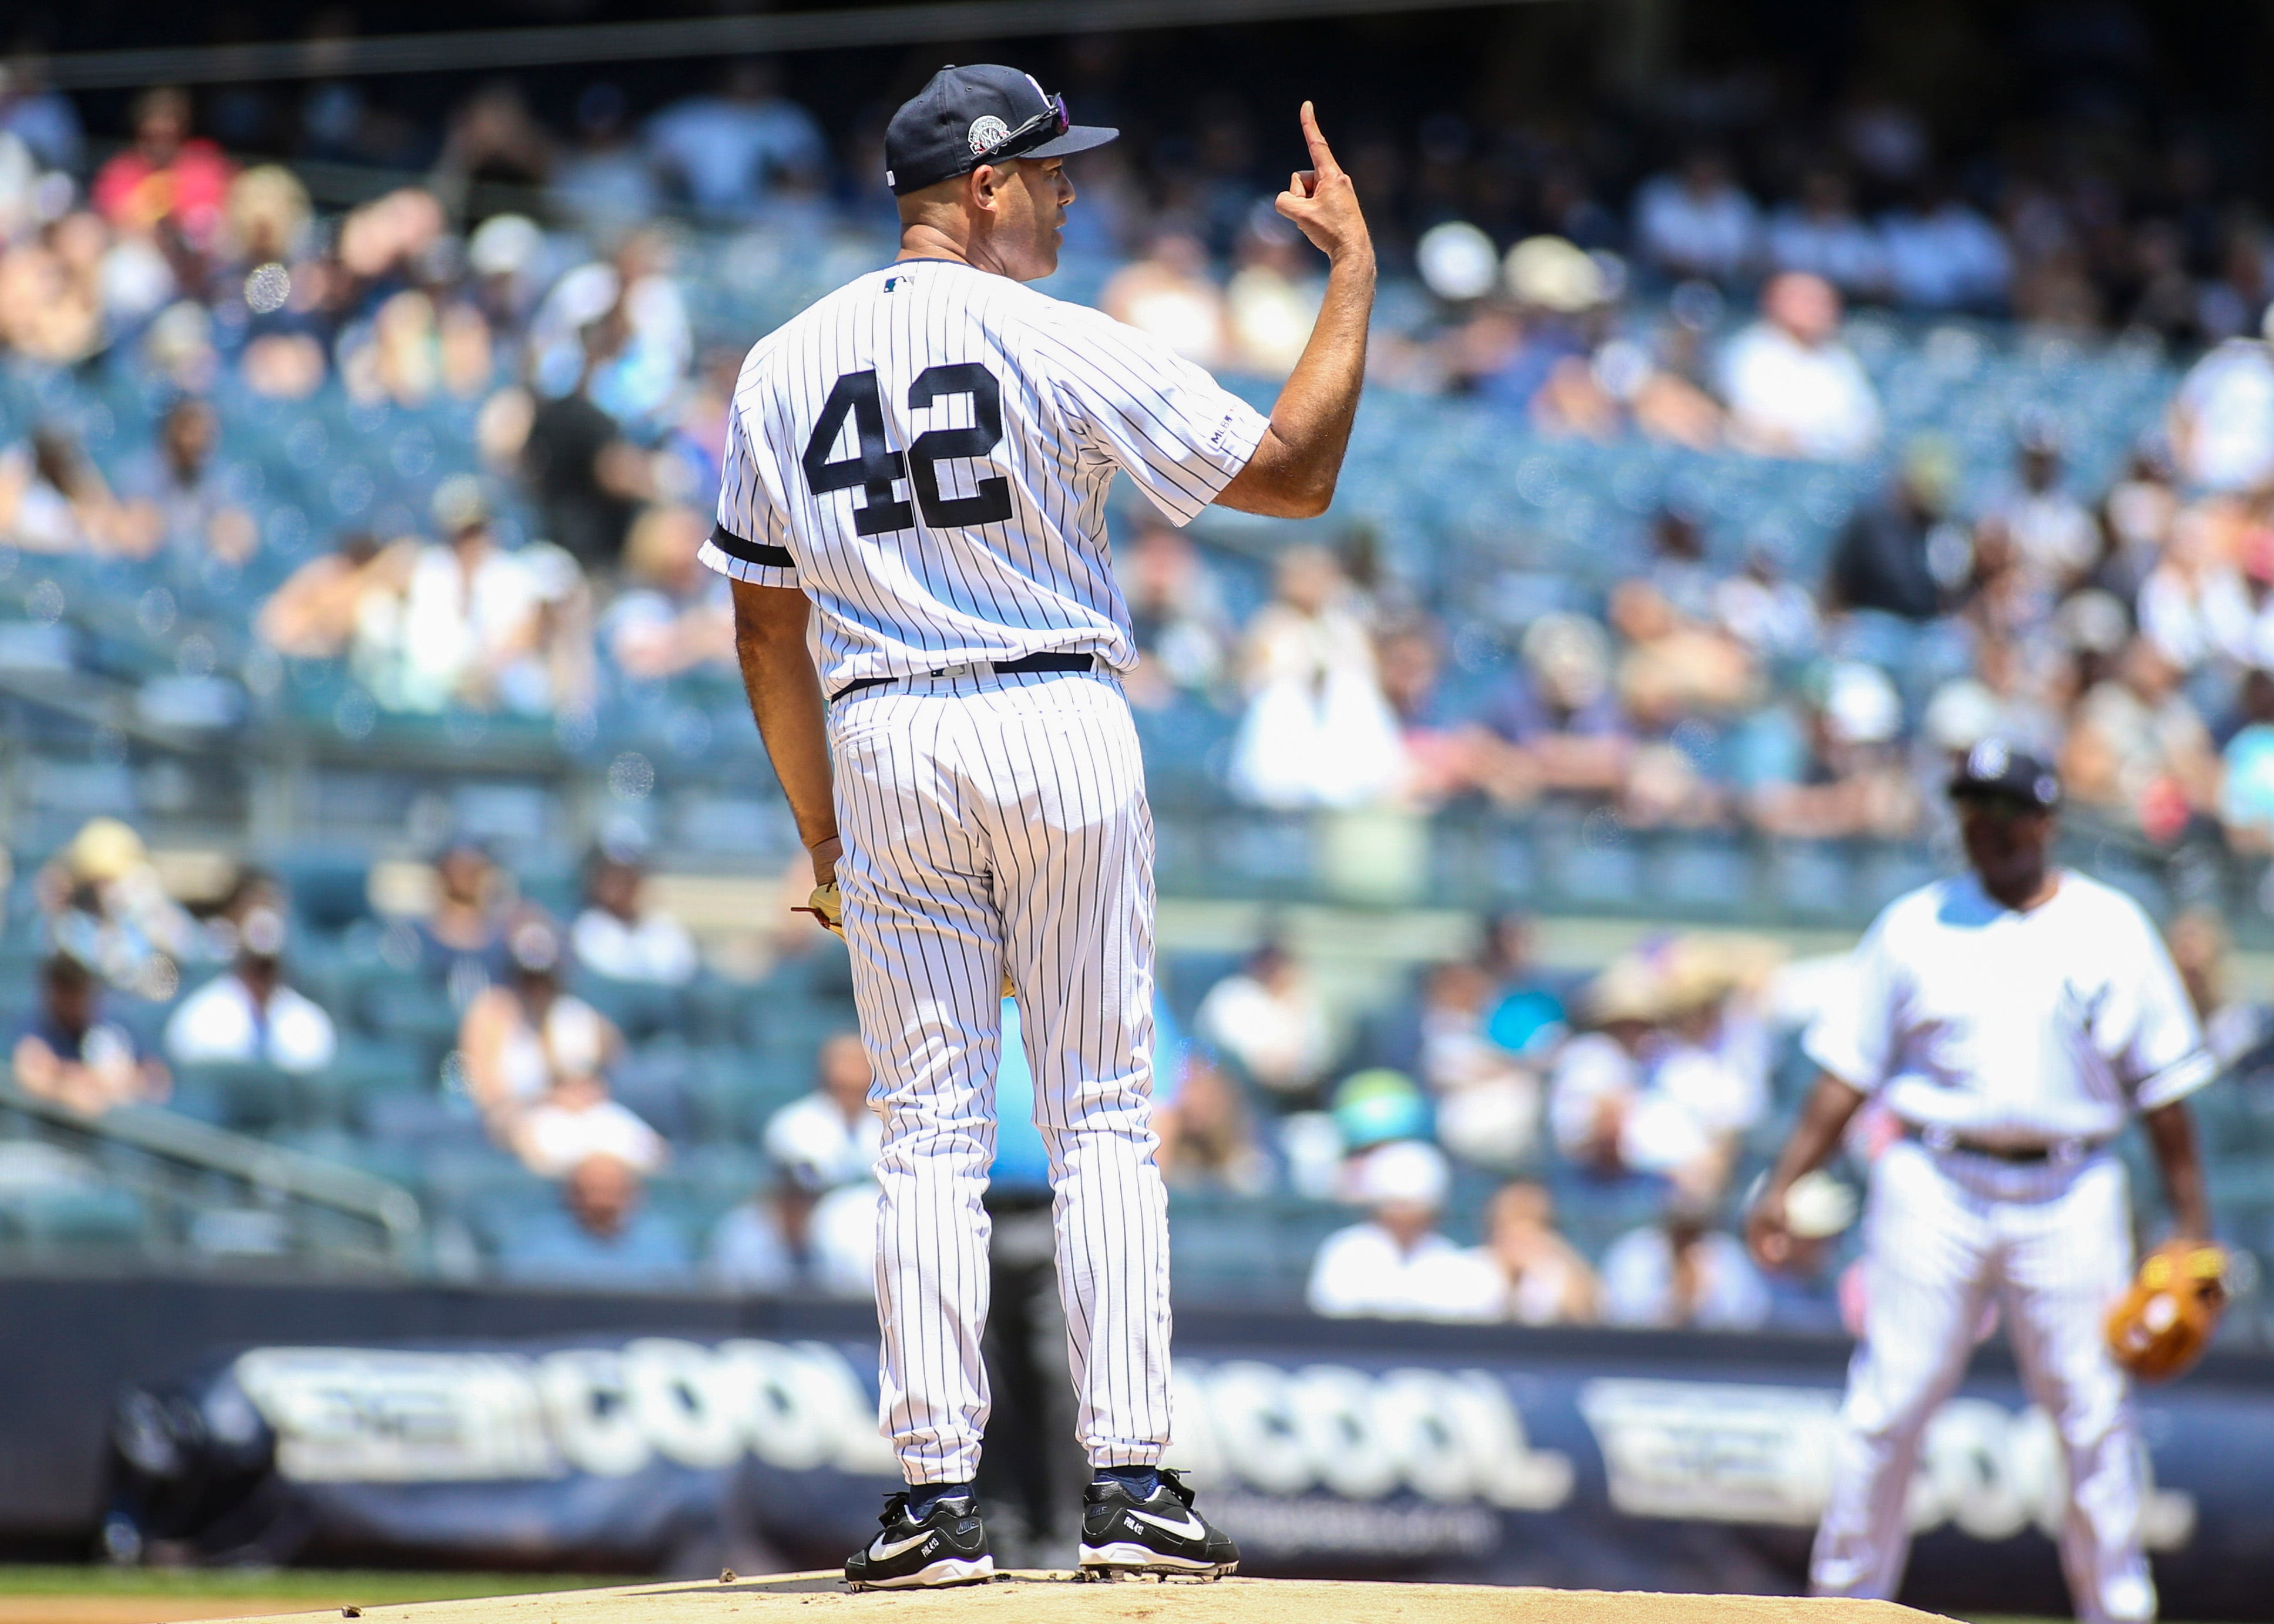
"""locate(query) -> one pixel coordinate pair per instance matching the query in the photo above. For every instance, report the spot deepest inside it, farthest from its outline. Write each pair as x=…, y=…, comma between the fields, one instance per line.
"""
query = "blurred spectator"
x=42, y=118
x=69, y=1054
x=525, y=1038
x=1272, y=300
x=606, y=184
x=1837, y=769
x=1547, y=1281
x=2222, y=419
x=1794, y=389
x=1442, y=756
x=1943, y=254
x=1528, y=1017
x=167, y=178
x=729, y=150
x=1176, y=609
x=601, y=1236
x=1208, y=1137
x=1558, y=715
x=469, y=624
x=53, y=499
x=249, y=1014
x=1170, y=295
x=461, y=939
x=618, y=934
x=1697, y=221
x=1901, y=556
x=176, y=503
x=492, y=137
x=832, y=1136
x=106, y=906
x=2246, y=800
x=1819, y=233
x=312, y=614
x=1617, y=1108
x=1269, y=1017
x=1772, y=615
x=1487, y=1101
x=2194, y=606
x=585, y=479
x=2232, y=1026
x=2057, y=537
x=2137, y=748
x=1681, y=1273
x=1397, y=1265
x=796, y=1237
x=673, y=615
x=1318, y=730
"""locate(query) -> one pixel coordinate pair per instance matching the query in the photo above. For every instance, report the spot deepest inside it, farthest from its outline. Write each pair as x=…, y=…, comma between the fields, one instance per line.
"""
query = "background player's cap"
x=967, y=116
x=1996, y=770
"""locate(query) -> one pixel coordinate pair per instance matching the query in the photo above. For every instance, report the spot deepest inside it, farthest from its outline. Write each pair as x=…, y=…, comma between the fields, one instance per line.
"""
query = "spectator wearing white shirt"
x=728, y=151
x=1820, y=233
x=1698, y=222
x=1547, y=1281
x=1794, y=389
x=248, y=1015
x=618, y=934
x=1941, y=253
x=830, y=1137
x=2057, y=535
x=793, y=1238
x=2222, y=419
x=1269, y=1017
x=1681, y=1273
x=1397, y=1265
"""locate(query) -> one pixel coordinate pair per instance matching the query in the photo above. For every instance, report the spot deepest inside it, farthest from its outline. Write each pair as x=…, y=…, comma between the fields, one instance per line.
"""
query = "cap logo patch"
x=988, y=133
x=1988, y=760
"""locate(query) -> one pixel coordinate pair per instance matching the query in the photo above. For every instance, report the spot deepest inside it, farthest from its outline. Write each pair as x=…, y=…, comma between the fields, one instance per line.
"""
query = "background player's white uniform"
x=1975, y=1023
x=926, y=453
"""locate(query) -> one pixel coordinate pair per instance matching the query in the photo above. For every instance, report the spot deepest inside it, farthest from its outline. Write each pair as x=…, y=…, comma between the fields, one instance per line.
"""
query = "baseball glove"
x=828, y=906
x=2164, y=1322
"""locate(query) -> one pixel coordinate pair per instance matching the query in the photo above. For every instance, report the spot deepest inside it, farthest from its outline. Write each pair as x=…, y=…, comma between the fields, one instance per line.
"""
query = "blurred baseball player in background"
x=2011, y=1020
x=913, y=511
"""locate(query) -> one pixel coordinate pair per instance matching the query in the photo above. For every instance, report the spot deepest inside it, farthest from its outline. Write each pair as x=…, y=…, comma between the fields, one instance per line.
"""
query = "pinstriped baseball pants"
x=995, y=822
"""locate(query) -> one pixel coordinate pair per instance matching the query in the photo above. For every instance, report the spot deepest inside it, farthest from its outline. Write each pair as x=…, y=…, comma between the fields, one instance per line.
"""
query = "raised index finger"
x=1323, y=156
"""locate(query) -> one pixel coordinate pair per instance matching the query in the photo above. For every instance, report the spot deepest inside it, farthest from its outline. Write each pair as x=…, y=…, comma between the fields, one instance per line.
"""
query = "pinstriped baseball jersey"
x=926, y=453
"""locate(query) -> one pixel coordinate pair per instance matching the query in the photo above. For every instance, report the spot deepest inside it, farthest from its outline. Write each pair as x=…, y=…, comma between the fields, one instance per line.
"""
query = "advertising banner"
x=1557, y=1465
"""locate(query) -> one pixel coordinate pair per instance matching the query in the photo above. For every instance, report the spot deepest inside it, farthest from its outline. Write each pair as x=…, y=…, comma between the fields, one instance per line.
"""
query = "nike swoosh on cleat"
x=1191, y=1528
x=881, y=1552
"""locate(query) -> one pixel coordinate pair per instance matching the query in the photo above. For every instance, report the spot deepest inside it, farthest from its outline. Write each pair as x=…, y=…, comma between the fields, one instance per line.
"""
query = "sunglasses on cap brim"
x=1046, y=125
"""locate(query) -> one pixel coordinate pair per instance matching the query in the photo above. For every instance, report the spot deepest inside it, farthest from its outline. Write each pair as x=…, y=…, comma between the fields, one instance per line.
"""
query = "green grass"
x=355, y=1585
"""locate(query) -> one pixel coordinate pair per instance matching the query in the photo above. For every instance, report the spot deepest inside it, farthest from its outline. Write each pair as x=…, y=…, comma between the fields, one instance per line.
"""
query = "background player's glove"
x=828, y=906
x=2164, y=1322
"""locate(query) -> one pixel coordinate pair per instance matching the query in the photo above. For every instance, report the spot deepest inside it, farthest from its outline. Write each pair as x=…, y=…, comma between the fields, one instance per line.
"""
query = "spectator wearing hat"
x=1397, y=1265
x=1794, y=389
x=833, y=1134
x=70, y=1054
x=106, y=906
x=249, y=1014
x=1547, y=1281
x=618, y=935
x=1598, y=1073
x=1269, y=1017
x=1683, y=1273
x=602, y=1235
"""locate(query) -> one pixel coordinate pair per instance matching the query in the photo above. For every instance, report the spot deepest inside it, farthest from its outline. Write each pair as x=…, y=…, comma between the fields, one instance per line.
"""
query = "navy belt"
x=1002, y=668
x=2064, y=1151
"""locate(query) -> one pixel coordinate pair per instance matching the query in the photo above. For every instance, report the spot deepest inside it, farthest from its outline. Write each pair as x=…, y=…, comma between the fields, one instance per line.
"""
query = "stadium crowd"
x=1486, y=1096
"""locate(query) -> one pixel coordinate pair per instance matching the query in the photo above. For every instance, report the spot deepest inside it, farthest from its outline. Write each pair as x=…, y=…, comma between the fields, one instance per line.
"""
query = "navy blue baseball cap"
x=967, y=116
x=1996, y=770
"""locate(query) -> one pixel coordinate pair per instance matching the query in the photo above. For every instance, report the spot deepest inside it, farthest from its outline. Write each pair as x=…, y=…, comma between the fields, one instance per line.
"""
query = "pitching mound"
x=1049, y=1598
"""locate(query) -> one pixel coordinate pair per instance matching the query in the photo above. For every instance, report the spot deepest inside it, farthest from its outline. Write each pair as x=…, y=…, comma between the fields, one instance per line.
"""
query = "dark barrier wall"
x=378, y=1425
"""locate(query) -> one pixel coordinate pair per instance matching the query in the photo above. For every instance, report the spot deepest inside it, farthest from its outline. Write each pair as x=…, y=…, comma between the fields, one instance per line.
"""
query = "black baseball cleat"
x=1162, y=1535
x=948, y=1547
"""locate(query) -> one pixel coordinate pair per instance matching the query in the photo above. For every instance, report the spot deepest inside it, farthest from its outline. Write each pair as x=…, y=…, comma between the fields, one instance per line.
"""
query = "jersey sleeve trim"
x=758, y=563
x=751, y=551
x=2176, y=1081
